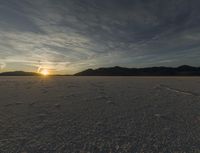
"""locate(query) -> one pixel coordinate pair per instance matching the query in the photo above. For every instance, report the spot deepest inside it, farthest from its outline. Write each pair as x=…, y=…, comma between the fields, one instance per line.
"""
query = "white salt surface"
x=99, y=114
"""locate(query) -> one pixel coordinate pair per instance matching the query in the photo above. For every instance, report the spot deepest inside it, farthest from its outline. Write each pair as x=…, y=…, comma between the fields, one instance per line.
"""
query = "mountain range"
x=184, y=70
x=19, y=73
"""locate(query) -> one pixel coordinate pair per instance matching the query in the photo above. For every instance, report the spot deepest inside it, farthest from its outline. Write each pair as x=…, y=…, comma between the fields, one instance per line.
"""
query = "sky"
x=68, y=36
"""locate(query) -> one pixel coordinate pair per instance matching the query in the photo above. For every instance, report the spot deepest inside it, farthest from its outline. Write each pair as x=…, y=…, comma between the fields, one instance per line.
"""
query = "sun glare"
x=45, y=72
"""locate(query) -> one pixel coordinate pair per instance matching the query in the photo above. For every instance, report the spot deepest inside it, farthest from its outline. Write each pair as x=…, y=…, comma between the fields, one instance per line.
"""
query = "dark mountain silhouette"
x=183, y=70
x=19, y=73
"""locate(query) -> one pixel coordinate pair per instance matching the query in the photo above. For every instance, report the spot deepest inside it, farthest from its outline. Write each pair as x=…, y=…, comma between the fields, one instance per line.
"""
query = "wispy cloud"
x=68, y=36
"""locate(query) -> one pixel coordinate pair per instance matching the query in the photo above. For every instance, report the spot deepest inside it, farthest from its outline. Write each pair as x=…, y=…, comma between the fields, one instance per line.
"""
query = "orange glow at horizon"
x=45, y=72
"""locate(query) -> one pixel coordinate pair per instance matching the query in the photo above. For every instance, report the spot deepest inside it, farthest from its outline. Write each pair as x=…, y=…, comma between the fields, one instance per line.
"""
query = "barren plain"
x=99, y=114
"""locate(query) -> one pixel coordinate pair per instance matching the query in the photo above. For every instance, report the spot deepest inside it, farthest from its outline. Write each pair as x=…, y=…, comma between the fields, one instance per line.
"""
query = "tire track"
x=189, y=93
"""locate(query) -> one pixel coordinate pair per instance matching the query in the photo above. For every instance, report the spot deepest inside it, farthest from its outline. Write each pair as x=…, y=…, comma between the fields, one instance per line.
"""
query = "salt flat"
x=99, y=114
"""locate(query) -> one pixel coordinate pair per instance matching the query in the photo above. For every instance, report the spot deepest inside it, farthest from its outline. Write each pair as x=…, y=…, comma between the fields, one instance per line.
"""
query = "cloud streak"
x=68, y=36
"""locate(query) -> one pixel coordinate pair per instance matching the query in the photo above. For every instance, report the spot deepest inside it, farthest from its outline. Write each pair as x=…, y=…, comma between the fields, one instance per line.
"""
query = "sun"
x=44, y=72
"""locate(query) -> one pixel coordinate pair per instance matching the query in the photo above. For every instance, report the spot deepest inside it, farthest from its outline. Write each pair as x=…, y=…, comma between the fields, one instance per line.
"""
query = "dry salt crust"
x=99, y=114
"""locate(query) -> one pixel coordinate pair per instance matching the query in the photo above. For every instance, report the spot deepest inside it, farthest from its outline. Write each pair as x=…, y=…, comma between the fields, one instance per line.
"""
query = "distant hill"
x=19, y=73
x=183, y=70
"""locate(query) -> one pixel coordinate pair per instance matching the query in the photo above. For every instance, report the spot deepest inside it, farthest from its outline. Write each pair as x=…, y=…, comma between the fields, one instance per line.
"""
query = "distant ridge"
x=184, y=70
x=19, y=73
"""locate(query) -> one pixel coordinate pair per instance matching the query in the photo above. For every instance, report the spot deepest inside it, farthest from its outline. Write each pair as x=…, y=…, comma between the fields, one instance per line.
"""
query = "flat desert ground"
x=99, y=114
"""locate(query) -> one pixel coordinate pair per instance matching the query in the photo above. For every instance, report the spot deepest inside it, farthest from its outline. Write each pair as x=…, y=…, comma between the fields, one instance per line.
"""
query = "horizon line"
x=32, y=73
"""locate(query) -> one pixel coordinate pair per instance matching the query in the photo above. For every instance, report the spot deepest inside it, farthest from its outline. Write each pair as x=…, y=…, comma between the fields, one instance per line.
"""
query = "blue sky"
x=67, y=36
